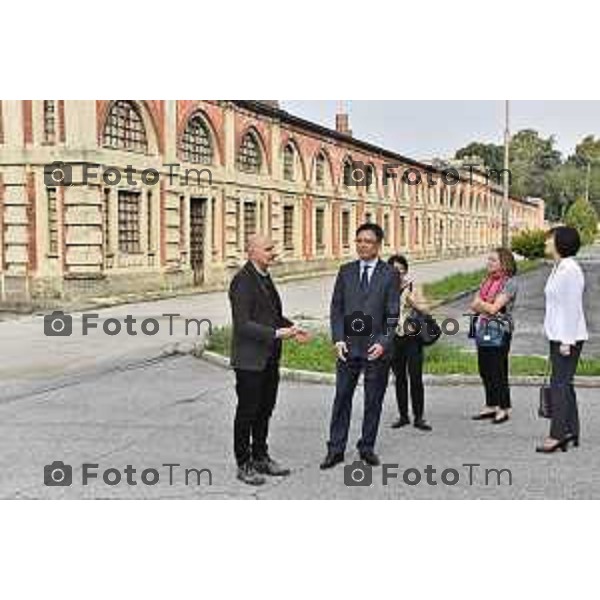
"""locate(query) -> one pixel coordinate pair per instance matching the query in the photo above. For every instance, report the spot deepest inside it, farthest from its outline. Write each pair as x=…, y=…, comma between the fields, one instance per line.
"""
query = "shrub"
x=583, y=216
x=529, y=244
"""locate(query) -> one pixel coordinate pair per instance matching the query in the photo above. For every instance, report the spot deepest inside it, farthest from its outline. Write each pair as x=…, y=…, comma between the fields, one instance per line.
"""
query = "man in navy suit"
x=364, y=316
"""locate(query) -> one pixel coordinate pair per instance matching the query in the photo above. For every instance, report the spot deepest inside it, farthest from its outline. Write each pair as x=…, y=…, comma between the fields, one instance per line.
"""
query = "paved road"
x=97, y=401
x=180, y=411
x=529, y=310
x=27, y=355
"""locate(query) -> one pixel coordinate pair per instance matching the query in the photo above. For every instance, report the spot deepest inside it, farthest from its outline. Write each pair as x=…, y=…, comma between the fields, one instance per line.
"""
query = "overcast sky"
x=427, y=128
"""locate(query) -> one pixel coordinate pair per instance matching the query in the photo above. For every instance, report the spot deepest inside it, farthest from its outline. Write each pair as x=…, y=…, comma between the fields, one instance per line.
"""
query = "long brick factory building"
x=161, y=195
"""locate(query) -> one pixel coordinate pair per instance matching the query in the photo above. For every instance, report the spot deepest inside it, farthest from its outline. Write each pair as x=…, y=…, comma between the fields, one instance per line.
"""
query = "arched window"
x=387, y=176
x=124, y=128
x=370, y=183
x=249, y=156
x=289, y=171
x=320, y=169
x=49, y=121
x=348, y=174
x=196, y=144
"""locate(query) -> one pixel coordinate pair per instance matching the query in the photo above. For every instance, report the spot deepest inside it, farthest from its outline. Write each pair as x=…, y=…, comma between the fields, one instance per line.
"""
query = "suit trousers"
x=408, y=360
x=375, y=384
x=565, y=416
x=494, y=372
x=256, y=394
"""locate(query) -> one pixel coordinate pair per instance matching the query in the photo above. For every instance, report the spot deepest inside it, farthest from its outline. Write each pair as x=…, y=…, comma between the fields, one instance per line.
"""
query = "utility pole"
x=505, y=207
x=587, y=181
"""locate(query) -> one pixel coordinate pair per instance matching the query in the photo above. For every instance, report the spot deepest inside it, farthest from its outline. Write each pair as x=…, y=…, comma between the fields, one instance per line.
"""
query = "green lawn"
x=445, y=289
x=440, y=359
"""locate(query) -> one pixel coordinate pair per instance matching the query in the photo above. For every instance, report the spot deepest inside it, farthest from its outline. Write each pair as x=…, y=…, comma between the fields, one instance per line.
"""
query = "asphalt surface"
x=180, y=411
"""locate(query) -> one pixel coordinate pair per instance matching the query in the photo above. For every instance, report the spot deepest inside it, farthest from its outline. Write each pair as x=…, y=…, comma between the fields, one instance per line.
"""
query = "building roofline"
x=278, y=113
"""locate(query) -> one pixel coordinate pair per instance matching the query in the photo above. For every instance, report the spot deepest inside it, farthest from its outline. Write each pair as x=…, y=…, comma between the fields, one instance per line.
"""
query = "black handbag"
x=545, y=405
x=424, y=327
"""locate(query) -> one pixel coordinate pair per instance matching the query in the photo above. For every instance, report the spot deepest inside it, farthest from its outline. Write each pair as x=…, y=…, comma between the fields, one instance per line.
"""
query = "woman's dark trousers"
x=407, y=364
x=494, y=372
x=565, y=416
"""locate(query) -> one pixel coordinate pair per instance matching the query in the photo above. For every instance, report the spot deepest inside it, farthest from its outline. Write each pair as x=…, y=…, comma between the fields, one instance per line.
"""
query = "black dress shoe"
x=332, y=459
x=370, y=458
x=267, y=466
x=423, y=425
x=248, y=474
x=401, y=422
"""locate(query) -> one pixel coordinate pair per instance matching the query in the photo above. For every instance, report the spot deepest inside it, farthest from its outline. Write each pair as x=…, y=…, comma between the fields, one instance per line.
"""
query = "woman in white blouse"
x=566, y=330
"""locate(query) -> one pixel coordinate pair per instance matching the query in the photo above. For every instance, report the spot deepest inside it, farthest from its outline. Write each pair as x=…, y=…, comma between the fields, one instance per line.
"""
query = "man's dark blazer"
x=256, y=315
x=381, y=302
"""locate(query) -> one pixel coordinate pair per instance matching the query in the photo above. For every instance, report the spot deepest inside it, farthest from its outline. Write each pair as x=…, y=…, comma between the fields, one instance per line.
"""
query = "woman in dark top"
x=407, y=357
x=495, y=302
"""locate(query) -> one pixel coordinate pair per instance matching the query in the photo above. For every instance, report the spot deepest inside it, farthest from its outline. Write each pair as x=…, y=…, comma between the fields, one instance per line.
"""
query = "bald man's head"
x=260, y=250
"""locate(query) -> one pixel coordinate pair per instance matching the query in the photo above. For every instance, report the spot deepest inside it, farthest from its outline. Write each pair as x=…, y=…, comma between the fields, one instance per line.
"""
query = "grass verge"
x=440, y=359
x=448, y=288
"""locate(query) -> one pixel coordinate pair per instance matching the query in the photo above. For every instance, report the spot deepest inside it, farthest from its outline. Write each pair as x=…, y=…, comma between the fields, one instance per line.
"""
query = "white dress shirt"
x=371, y=263
x=565, y=321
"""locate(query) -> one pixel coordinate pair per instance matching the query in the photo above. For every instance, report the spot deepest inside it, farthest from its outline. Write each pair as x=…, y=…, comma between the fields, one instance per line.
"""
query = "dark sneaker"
x=248, y=474
x=267, y=466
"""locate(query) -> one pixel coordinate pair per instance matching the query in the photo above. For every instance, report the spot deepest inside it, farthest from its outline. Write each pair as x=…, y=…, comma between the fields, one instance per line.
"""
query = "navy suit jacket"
x=381, y=302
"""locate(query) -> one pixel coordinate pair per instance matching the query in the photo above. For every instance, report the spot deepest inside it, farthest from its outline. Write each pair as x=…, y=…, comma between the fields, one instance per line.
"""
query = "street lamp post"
x=505, y=211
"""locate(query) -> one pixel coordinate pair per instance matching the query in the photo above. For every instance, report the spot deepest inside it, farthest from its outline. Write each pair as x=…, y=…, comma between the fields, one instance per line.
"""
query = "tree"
x=583, y=216
x=531, y=159
x=587, y=151
x=562, y=186
x=492, y=155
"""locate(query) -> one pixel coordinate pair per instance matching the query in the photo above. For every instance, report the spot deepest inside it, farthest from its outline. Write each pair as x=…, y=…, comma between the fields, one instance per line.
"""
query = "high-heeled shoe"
x=484, y=415
x=562, y=445
x=574, y=439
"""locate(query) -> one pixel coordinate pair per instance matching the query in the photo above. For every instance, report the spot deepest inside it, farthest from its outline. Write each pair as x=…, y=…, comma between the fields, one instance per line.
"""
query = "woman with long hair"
x=566, y=331
x=493, y=305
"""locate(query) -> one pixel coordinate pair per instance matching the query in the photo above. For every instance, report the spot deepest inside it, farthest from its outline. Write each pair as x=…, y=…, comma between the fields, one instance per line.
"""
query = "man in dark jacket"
x=258, y=330
x=364, y=315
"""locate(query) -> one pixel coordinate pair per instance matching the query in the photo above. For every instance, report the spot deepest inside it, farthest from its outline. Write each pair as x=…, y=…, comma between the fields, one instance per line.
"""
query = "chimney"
x=342, y=121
